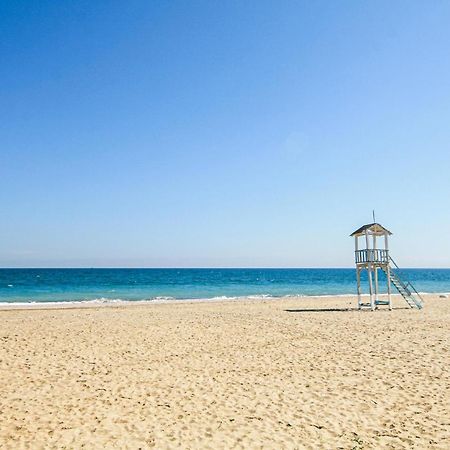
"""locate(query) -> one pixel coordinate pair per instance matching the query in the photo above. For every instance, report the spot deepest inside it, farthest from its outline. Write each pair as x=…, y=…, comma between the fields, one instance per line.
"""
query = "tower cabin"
x=372, y=255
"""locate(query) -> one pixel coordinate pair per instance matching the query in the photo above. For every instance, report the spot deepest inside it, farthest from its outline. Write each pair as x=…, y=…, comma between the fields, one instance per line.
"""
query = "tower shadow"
x=320, y=310
x=308, y=310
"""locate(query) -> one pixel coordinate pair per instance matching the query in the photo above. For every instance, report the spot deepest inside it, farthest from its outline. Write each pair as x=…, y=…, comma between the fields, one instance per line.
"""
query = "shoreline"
x=119, y=303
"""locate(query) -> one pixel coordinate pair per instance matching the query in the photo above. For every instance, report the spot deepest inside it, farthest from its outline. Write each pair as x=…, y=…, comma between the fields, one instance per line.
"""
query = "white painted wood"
x=358, y=284
x=372, y=260
x=369, y=272
x=372, y=302
x=376, y=282
x=389, y=286
x=375, y=269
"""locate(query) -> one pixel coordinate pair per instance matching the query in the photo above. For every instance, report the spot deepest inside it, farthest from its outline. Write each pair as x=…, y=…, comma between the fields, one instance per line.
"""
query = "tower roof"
x=372, y=228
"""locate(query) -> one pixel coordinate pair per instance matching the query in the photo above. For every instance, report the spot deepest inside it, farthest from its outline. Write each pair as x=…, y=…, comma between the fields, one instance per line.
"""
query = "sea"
x=29, y=286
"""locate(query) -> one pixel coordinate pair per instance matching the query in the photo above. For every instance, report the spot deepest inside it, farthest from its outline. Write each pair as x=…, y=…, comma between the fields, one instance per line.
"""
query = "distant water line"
x=75, y=285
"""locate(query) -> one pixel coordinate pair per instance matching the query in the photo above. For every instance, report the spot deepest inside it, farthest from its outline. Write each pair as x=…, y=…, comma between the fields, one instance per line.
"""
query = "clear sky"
x=228, y=134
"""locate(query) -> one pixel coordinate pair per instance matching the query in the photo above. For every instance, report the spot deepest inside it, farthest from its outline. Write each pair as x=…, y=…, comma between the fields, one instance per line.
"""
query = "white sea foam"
x=105, y=302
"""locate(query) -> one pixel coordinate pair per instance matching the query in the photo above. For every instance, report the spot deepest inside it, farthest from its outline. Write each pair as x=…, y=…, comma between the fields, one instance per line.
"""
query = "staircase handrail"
x=404, y=279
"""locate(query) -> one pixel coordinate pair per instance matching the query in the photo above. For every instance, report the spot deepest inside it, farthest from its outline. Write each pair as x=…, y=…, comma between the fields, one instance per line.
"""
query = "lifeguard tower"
x=369, y=256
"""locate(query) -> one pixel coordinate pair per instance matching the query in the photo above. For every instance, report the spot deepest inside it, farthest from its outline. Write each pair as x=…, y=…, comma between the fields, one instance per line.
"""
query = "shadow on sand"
x=321, y=310
x=307, y=310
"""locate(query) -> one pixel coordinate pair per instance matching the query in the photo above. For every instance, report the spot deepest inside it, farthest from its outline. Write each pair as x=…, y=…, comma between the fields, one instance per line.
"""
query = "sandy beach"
x=287, y=373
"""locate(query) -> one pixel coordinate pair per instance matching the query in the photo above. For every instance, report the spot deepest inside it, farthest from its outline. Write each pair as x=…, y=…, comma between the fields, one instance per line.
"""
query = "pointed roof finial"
x=373, y=215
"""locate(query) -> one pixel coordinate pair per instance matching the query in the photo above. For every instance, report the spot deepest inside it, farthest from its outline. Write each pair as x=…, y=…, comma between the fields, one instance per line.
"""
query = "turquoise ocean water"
x=67, y=285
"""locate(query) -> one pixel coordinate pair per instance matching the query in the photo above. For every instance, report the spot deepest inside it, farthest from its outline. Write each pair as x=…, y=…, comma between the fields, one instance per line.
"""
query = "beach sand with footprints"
x=278, y=373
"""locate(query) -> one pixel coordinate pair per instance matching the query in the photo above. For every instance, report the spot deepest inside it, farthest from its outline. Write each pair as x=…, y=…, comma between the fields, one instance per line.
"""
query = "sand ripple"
x=226, y=375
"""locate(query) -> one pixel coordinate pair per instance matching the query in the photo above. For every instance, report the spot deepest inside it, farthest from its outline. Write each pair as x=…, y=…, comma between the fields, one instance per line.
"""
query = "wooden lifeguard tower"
x=372, y=258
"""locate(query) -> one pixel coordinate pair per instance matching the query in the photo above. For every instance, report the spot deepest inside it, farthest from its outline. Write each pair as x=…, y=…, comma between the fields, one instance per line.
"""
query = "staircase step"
x=382, y=302
x=403, y=288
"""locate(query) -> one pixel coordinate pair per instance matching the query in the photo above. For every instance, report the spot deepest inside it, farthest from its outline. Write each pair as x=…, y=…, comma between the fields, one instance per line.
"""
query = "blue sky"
x=228, y=134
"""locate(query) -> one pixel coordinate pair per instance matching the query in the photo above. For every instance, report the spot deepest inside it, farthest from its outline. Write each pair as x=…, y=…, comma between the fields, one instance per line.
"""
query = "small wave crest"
x=104, y=301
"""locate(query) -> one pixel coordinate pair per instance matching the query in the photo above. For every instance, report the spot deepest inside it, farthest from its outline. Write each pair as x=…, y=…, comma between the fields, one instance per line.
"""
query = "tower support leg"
x=375, y=271
x=372, y=301
x=358, y=284
x=389, y=286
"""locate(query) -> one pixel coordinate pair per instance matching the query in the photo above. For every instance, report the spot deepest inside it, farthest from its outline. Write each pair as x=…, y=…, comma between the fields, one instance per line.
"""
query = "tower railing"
x=371, y=255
